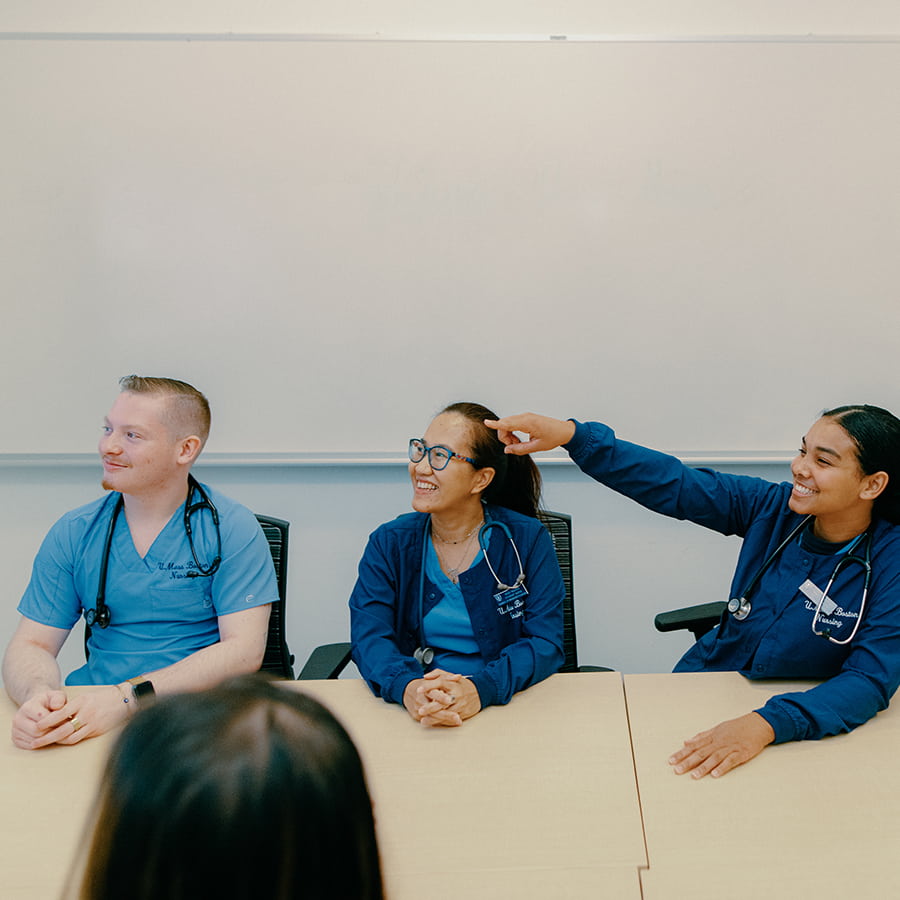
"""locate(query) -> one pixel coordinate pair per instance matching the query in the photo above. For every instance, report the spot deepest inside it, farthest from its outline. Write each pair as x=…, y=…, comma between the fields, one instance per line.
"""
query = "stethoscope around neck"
x=425, y=655
x=100, y=615
x=740, y=607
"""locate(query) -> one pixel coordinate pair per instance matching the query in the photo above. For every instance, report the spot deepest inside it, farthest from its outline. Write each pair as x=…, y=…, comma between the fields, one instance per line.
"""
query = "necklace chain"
x=453, y=571
x=465, y=537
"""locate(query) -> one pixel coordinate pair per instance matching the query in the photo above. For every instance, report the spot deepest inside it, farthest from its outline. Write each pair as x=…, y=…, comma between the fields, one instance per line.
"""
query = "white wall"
x=315, y=228
x=728, y=299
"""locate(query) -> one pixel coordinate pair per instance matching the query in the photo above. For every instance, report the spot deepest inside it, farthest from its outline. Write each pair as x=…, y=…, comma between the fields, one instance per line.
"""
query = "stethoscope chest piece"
x=739, y=608
x=98, y=617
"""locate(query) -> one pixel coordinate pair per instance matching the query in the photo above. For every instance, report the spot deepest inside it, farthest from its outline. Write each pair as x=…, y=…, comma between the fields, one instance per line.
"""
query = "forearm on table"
x=234, y=654
x=29, y=669
x=836, y=706
x=519, y=666
x=203, y=669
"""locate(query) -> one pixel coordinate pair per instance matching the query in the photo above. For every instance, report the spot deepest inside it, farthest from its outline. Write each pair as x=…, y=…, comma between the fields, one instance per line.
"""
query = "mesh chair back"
x=278, y=659
x=560, y=527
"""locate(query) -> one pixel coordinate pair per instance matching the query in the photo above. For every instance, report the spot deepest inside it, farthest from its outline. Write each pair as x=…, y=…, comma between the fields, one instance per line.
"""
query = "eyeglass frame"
x=426, y=451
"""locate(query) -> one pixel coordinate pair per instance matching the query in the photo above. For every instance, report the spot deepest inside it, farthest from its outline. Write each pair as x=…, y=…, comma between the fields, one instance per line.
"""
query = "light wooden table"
x=538, y=799
x=534, y=799
x=46, y=798
x=808, y=819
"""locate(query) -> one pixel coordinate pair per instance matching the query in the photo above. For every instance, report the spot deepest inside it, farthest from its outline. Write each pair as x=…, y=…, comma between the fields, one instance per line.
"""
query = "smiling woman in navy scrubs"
x=431, y=626
x=801, y=577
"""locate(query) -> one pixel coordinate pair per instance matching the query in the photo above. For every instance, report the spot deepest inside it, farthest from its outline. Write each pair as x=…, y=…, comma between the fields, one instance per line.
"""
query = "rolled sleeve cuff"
x=487, y=690
x=393, y=691
x=782, y=724
x=580, y=439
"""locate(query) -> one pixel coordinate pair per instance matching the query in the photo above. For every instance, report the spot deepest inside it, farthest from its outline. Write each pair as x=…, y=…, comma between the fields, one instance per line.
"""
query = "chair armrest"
x=327, y=661
x=696, y=619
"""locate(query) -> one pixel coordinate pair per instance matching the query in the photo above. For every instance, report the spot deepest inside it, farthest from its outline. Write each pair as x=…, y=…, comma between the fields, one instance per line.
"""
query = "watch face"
x=143, y=691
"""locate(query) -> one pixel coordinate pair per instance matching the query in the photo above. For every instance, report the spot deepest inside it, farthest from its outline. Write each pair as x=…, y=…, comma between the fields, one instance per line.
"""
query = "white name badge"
x=815, y=594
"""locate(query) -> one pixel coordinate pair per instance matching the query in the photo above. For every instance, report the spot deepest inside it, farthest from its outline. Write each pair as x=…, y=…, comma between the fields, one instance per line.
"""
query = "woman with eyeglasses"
x=458, y=605
x=816, y=592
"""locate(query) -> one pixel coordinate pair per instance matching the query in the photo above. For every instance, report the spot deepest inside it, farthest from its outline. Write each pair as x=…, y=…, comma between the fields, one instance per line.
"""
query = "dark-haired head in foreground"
x=248, y=790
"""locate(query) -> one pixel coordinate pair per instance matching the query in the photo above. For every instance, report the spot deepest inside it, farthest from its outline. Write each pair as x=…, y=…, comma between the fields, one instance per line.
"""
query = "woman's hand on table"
x=724, y=747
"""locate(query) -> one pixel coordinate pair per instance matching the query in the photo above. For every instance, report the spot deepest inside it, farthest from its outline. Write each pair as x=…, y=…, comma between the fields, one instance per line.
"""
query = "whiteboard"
x=696, y=242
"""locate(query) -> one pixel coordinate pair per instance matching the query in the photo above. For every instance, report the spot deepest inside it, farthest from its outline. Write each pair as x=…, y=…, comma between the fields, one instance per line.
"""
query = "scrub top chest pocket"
x=174, y=596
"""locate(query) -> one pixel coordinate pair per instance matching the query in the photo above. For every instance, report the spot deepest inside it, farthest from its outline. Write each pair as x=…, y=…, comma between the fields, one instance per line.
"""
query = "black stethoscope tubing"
x=740, y=607
x=100, y=615
x=425, y=655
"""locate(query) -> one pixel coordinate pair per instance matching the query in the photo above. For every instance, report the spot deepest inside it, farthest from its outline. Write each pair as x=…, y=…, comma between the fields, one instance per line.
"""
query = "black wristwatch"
x=142, y=690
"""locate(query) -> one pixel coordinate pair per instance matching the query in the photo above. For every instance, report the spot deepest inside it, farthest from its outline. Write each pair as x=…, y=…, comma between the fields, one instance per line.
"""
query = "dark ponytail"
x=517, y=482
x=876, y=433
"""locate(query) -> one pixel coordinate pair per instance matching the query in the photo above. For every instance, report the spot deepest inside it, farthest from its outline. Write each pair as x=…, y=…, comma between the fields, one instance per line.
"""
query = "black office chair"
x=696, y=619
x=277, y=660
x=560, y=527
x=329, y=660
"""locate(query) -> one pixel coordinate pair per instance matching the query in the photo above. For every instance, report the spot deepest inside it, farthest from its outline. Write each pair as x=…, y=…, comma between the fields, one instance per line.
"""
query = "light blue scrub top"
x=447, y=628
x=158, y=615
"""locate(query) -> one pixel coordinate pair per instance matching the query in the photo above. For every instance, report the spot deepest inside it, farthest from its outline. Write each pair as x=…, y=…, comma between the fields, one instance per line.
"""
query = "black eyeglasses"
x=439, y=456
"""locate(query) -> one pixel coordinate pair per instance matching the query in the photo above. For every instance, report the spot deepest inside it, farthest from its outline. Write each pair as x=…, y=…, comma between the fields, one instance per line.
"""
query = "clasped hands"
x=51, y=717
x=441, y=698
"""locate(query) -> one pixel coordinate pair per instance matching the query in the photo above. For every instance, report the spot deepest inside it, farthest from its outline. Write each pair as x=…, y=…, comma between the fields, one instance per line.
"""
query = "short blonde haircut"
x=187, y=410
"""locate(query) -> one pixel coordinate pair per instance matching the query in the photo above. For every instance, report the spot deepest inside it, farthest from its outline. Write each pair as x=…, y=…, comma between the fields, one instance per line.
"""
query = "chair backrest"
x=278, y=659
x=560, y=527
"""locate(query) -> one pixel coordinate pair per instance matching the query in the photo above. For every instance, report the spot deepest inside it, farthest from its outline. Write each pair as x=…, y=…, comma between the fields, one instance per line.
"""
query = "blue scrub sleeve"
x=869, y=676
x=373, y=609
x=51, y=597
x=664, y=484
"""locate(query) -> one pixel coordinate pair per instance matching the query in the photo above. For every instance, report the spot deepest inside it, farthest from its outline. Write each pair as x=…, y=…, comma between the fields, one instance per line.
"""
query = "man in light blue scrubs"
x=175, y=579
